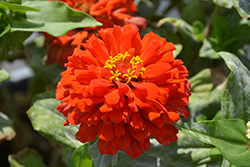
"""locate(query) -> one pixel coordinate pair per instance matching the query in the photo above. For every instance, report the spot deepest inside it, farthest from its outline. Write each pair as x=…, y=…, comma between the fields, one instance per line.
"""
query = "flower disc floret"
x=124, y=89
x=125, y=68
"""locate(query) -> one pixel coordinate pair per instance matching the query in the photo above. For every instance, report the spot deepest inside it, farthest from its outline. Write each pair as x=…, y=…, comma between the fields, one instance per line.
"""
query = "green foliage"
x=236, y=97
x=227, y=135
x=27, y=158
x=55, y=18
x=212, y=38
x=49, y=122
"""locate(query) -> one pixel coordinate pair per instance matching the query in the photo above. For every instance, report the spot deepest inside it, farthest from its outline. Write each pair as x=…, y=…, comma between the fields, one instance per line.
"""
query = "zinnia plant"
x=124, y=89
x=107, y=12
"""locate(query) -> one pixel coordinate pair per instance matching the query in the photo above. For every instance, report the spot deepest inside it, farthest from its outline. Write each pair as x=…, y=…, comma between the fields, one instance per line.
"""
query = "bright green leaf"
x=178, y=50
x=49, y=122
x=81, y=157
x=18, y=8
x=236, y=96
x=6, y=128
x=26, y=158
x=4, y=75
x=198, y=28
x=101, y=160
x=55, y=18
x=227, y=135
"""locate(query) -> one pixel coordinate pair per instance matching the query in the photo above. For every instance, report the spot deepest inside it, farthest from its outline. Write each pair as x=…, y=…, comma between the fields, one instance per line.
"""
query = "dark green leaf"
x=4, y=27
x=236, y=96
x=55, y=18
x=49, y=122
x=101, y=160
x=221, y=28
x=6, y=127
x=227, y=135
x=18, y=8
x=27, y=158
x=81, y=157
x=4, y=75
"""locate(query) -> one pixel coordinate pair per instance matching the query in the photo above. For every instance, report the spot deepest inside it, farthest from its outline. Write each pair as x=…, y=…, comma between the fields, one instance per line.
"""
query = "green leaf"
x=4, y=75
x=236, y=96
x=210, y=49
x=198, y=28
x=55, y=18
x=6, y=128
x=49, y=122
x=81, y=157
x=183, y=27
x=226, y=3
x=227, y=135
x=101, y=160
x=221, y=28
x=27, y=158
x=178, y=50
x=18, y=8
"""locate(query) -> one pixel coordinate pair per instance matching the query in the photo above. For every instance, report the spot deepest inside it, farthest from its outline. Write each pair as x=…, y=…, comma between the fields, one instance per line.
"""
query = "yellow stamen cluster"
x=124, y=68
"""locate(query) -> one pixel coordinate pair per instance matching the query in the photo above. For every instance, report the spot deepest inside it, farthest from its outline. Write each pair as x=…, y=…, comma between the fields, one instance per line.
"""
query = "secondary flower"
x=123, y=89
x=107, y=12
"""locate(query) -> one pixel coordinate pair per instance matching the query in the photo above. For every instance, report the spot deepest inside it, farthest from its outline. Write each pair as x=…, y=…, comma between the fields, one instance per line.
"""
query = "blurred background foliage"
x=212, y=38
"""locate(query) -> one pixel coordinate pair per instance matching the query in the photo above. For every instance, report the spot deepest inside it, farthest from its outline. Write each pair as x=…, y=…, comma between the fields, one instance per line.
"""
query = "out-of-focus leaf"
x=4, y=75
x=198, y=28
x=55, y=18
x=4, y=49
x=236, y=96
x=221, y=28
x=210, y=49
x=226, y=3
x=44, y=95
x=81, y=157
x=27, y=158
x=207, y=88
x=193, y=7
x=183, y=27
x=18, y=8
x=245, y=5
x=226, y=163
x=4, y=25
x=227, y=135
x=147, y=7
x=101, y=160
x=204, y=76
x=178, y=50
x=49, y=122
x=6, y=128
x=67, y=156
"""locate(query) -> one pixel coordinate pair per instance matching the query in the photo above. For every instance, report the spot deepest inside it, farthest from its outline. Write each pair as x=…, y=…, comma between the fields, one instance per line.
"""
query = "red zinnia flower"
x=107, y=12
x=124, y=89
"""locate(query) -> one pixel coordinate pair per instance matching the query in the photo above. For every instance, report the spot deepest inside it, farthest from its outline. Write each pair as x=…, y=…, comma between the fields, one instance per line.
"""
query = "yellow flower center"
x=125, y=68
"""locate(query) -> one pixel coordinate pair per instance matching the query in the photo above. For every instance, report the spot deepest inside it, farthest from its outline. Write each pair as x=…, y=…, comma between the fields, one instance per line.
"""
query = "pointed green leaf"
x=221, y=28
x=55, y=18
x=236, y=96
x=81, y=157
x=49, y=122
x=4, y=75
x=227, y=135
